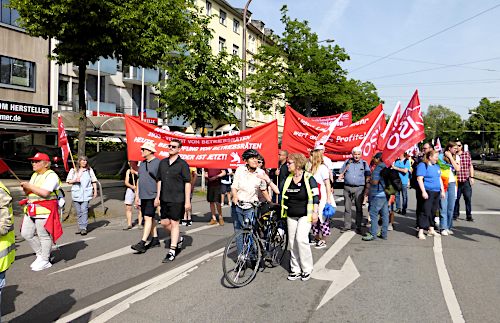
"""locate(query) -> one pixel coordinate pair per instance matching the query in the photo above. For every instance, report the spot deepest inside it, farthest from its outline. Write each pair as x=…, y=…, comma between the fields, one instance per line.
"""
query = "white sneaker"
x=35, y=263
x=42, y=265
x=449, y=231
x=444, y=232
x=390, y=228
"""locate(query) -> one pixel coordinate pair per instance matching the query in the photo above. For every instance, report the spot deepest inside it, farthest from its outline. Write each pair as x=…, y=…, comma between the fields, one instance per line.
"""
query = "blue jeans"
x=82, y=214
x=447, y=207
x=379, y=205
x=2, y=285
x=239, y=215
x=404, y=193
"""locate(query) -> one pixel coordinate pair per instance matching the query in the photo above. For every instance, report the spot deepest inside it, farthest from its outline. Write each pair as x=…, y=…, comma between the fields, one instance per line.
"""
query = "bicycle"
x=261, y=243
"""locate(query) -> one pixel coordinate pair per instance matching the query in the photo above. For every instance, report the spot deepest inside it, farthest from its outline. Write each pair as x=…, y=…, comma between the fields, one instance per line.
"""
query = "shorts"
x=225, y=188
x=129, y=196
x=172, y=210
x=148, y=208
x=213, y=194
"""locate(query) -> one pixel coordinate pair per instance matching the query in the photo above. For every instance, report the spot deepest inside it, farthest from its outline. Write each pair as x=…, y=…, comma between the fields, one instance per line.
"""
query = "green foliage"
x=200, y=85
x=485, y=117
x=140, y=33
x=307, y=75
x=441, y=122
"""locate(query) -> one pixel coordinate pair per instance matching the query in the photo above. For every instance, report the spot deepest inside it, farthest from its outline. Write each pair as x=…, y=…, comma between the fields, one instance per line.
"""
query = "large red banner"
x=300, y=133
x=409, y=132
x=344, y=121
x=369, y=144
x=205, y=152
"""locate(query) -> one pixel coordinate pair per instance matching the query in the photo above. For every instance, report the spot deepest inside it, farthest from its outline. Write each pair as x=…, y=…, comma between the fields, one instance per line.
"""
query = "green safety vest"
x=7, y=242
x=310, y=205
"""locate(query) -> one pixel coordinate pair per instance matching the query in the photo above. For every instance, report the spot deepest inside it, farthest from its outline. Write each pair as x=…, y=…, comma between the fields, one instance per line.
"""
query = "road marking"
x=119, y=252
x=340, y=278
x=148, y=288
x=446, y=286
x=68, y=243
x=483, y=212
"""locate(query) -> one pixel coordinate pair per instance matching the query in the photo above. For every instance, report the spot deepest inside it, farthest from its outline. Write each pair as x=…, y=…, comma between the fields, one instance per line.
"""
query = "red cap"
x=40, y=156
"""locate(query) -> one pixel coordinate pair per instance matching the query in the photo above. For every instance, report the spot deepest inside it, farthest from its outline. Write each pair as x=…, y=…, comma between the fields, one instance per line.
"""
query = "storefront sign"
x=17, y=112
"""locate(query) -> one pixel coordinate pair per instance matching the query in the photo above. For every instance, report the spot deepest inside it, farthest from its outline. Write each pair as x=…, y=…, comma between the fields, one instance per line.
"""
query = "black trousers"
x=431, y=205
x=420, y=205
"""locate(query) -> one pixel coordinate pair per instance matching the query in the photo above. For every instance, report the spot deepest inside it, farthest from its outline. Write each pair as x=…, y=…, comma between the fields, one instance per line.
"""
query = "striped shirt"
x=465, y=164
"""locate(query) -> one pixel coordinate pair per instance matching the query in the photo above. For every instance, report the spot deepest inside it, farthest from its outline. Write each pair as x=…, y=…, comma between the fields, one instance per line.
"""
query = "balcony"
x=133, y=75
x=107, y=67
x=103, y=106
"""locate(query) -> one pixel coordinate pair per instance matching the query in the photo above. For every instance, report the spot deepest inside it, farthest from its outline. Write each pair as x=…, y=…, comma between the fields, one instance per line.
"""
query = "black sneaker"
x=342, y=230
x=294, y=276
x=403, y=212
x=305, y=276
x=169, y=257
x=139, y=247
x=182, y=222
x=470, y=219
x=155, y=242
x=189, y=223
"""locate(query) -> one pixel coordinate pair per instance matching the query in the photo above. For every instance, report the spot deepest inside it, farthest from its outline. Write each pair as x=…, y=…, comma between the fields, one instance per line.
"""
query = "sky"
x=447, y=49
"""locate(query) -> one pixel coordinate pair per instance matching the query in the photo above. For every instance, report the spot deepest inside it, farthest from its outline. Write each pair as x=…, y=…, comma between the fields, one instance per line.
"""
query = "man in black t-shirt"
x=173, y=195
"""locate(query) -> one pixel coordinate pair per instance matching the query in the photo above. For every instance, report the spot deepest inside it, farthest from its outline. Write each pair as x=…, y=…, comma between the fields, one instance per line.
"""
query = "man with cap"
x=378, y=201
x=356, y=174
x=145, y=196
x=41, y=211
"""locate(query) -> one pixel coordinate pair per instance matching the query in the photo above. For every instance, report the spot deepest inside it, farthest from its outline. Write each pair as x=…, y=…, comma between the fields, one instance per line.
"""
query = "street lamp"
x=244, y=69
x=482, y=127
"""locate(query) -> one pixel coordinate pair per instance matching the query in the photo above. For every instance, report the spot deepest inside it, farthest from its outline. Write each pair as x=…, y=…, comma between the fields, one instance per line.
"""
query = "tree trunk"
x=82, y=107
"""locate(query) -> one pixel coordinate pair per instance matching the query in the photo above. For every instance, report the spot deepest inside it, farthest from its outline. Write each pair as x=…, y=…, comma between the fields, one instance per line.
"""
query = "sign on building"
x=17, y=112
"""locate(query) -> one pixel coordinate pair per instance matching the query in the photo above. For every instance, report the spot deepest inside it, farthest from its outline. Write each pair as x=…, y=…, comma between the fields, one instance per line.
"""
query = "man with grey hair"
x=356, y=174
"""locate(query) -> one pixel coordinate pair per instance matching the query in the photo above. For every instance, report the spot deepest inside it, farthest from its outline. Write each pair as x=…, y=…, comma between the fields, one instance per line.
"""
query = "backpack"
x=392, y=181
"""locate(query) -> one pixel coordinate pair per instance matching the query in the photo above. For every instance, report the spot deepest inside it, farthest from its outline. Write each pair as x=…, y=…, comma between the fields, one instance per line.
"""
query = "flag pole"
x=71, y=154
x=393, y=115
x=12, y=172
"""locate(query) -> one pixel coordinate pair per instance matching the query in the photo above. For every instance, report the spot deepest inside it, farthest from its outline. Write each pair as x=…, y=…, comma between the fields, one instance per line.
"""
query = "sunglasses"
x=35, y=161
x=459, y=145
x=173, y=146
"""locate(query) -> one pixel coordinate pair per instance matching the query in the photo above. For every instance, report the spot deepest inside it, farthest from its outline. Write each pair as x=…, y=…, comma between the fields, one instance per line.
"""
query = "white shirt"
x=247, y=184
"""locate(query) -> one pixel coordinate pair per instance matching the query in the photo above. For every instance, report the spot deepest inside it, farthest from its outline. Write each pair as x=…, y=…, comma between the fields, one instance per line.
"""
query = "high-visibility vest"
x=38, y=180
x=7, y=242
x=310, y=205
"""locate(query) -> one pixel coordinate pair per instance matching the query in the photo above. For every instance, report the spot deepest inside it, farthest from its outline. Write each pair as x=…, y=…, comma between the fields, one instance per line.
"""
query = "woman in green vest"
x=300, y=206
x=7, y=237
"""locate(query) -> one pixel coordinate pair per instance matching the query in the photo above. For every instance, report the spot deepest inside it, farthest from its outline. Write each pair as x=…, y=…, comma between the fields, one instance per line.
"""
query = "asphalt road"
x=98, y=278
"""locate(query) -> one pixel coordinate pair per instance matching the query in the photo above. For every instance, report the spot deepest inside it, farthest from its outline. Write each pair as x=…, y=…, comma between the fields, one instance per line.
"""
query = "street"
x=98, y=277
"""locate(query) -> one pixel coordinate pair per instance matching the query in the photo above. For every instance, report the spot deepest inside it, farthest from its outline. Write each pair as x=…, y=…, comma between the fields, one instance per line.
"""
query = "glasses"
x=173, y=146
x=260, y=162
x=290, y=162
x=459, y=145
x=144, y=149
x=35, y=161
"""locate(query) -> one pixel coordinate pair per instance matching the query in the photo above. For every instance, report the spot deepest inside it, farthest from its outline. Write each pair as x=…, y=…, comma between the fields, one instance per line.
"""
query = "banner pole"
x=12, y=172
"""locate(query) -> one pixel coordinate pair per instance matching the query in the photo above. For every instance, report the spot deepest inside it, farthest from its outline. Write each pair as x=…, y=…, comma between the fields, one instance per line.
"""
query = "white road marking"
x=68, y=243
x=446, y=286
x=207, y=226
x=148, y=288
x=340, y=278
x=483, y=212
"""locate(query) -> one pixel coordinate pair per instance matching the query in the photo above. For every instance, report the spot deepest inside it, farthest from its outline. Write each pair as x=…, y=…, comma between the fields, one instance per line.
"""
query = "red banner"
x=369, y=144
x=63, y=142
x=409, y=132
x=3, y=167
x=300, y=133
x=327, y=120
x=205, y=152
x=391, y=127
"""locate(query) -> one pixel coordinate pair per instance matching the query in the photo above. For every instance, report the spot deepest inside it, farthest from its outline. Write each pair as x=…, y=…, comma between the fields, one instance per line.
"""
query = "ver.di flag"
x=323, y=136
x=410, y=131
x=391, y=127
x=369, y=144
x=63, y=142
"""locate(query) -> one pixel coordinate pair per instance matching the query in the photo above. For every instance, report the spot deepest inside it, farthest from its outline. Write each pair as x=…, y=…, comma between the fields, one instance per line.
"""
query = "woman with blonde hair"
x=300, y=206
x=449, y=167
x=322, y=176
x=83, y=189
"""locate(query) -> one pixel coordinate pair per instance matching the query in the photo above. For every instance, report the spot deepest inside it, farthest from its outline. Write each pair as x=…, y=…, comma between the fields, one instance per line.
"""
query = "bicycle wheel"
x=241, y=258
x=277, y=243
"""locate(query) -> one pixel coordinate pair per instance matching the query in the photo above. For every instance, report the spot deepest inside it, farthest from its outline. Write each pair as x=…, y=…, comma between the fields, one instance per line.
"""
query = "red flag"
x=391, y=127
x=3, y=167
x=438, y=146
x=409, y=132
x=63, y=142
x=369, y=144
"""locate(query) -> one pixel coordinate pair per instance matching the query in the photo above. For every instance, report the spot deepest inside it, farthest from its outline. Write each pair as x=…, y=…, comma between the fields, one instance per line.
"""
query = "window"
x=91, y=87
x=251, y=66
x=208, y=8
x=222, y=17
x=236, y=26
x=8, y=16
x=63, y=91
x=236, y=50
x=222, y=44
x=17, y=72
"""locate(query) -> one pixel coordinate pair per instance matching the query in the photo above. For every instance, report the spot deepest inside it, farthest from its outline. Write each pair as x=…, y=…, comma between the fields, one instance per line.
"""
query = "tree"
x=137, y=32
x=201, y=86
x=308, y=75
x=485, y=117
x=441, y=122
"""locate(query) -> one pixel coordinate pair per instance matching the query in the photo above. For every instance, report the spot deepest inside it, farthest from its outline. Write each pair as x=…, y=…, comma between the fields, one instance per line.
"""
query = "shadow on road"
x=68, y=252
x=49, y=309
x=9, y=295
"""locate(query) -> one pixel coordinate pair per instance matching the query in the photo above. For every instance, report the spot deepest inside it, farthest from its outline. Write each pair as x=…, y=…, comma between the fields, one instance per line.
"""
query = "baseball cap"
x=149, y=146
x=40, y=156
